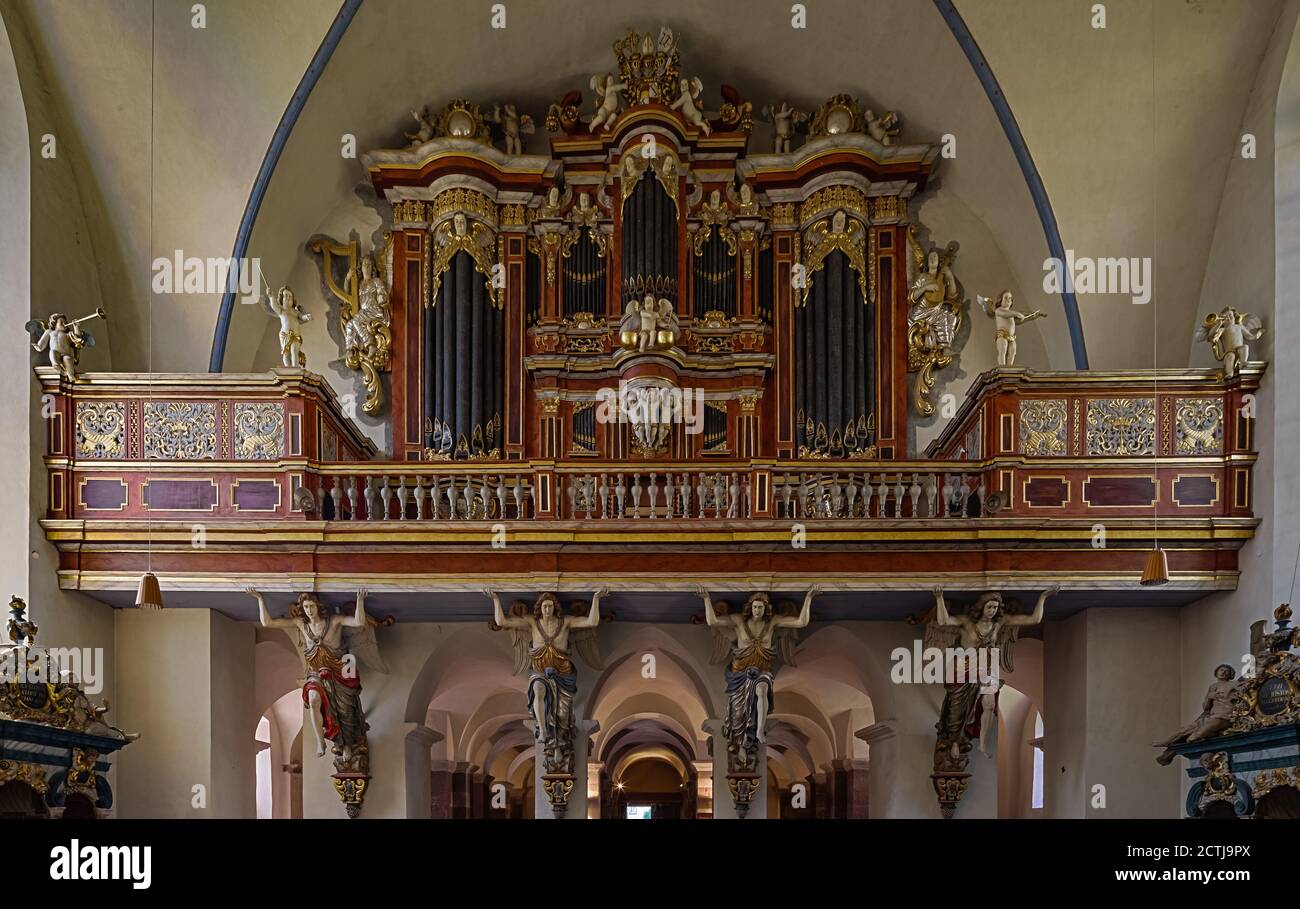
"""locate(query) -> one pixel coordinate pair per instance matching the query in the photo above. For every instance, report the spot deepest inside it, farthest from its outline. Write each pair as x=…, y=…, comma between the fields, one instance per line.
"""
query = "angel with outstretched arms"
x=749, y=643
x=329, y=646
x=1005, y=319
x=987, y=632
x=541, y=641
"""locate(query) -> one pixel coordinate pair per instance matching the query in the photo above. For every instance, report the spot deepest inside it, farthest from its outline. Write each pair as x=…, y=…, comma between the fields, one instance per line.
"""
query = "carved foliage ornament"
x=458, y=235
x=101, y=429
x=180, y=430
x=936, y=305
x=1199, y=426
x=851, y=237
x=663, y=165
x=259, y=430
x=1121, y=427
x=1042, y=427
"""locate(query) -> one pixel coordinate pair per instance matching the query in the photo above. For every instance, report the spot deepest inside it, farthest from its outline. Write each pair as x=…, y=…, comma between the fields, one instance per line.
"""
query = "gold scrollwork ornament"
x=364, y=311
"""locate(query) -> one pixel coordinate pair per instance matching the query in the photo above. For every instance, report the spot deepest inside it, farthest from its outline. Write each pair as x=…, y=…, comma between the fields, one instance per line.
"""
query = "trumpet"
x=97, y=314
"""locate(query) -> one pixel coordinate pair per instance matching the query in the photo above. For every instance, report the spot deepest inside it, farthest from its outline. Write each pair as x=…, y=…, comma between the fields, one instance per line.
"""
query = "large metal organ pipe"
x=464, y=361
x=649, y=240
x=835, y=363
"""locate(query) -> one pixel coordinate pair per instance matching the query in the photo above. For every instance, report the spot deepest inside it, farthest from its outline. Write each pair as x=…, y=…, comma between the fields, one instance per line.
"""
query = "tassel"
x=149, y=595
x=1157, y=570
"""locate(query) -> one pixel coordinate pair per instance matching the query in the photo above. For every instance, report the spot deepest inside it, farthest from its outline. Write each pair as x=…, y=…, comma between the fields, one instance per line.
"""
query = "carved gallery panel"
x=101, y=429
x=1042, y=427
x=1121, y=427
x=259, y=430
x=1198, y=426
x=180, y=430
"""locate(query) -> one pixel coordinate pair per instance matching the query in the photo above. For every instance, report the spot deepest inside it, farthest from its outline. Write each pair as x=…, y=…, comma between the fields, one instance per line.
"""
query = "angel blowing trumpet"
x=64, y=337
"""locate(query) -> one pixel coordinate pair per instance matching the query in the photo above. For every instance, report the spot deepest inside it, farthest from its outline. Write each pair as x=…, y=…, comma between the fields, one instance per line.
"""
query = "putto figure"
x=283, y=306
x=1215, y=718
x=1228, y=333
x=1006, y=318
x=514, y=127
x=542, y=647
x=688, y=103
x=65, y=338
x=608, y=100
x=784, y=119
x=649, y=324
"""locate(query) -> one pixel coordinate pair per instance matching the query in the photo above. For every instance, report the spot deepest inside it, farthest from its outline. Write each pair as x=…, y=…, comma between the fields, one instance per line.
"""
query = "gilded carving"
x=408, y=211
x=1121, y=427
x=456, y=235
x=830, y=199
x=888, y=209
x=1042, y=427
x=101, y=429
x=259, y=430
x=469, y=201
x=180, y=430
x=364, y=313
x=847, y=235
x=649, y=66
x=934, y=316
x=1199, y=426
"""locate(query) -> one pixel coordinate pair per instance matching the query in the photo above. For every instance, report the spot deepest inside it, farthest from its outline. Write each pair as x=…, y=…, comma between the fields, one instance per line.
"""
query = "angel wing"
x=35, y=328
x=785, y=638
x=1253, y=324
x=1006, y=640
x=583, y=640
x=482, y=235
x=697, y=88
x=521, y=639
x=723, y=641
x=986, y=304
x=598, y=85
x=81, y=338
x=526, y=125
x=362, y=644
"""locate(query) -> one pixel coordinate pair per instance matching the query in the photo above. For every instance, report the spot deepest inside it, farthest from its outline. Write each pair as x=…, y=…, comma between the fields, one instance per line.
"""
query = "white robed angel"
x=330, y=646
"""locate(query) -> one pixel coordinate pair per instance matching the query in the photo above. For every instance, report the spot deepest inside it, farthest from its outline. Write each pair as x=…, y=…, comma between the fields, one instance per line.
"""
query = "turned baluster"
x=419, y=498
x=850, y=495
x=964, y=495
x=900, y=490
x=451, y=497
x=620, y=495
x=336, y=496
x=701, y=492
x=914, y=496
x=501, y=497
x=604, y=496
x=932, y=495
x=636, y=495
x=670, y=501
x=402, y=494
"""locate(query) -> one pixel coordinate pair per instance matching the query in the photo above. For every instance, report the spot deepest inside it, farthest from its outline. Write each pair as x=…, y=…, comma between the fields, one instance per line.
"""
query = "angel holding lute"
x=330, y=646
x=542, y=647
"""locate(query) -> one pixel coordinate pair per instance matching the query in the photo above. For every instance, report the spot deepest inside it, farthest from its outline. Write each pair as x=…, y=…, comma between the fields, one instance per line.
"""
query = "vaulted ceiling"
x=162, y=128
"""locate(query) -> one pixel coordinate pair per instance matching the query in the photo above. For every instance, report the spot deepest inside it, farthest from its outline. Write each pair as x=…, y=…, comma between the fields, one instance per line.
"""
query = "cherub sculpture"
x=426, y=128
x=542, y=647
x=608, y=100
x=1006, y=319
x=749, y=643
x=330, y=646
x=1229, y=333
x=513, y=127
x=292, y=317
x=649, y=324
x=688, y=103
x=885, y=128
x=985, y=634
x=784, y=120
x=65, y=338
x=1215, y=718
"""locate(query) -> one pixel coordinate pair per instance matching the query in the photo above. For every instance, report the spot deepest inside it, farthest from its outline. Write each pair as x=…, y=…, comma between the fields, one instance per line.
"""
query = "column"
x=703, y=788
x=583, y=730
x=724, y=806
x=440, y=789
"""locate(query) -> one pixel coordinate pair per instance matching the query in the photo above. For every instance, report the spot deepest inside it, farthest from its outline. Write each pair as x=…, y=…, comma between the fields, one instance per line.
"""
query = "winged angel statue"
x=980, y=643
x=543, y=643
x=330, y=646
x=1229, y=333
x=749, y=643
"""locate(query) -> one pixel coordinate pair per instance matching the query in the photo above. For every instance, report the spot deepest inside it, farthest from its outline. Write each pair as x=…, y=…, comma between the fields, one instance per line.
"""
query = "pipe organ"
x=651, y=287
